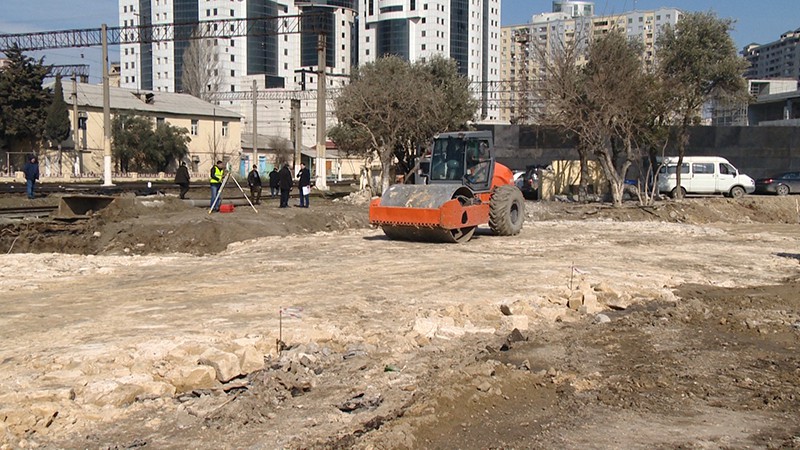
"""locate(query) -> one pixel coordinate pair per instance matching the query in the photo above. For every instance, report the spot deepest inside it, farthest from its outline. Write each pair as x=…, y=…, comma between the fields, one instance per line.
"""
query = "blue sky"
x=756, y=21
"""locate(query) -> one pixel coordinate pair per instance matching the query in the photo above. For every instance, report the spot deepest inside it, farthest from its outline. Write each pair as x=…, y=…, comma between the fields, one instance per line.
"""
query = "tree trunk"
x=615, y=181
x=683, y=140
x=386, y=167
x=583, y=156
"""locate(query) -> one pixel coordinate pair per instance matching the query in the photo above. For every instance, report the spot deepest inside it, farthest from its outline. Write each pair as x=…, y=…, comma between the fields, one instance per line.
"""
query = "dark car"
x=529, y=182
x=783, y=184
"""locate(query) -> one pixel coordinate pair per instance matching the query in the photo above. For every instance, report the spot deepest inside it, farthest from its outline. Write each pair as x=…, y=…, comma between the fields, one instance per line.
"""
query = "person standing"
x=182, y=179
x=217, y=173
x=285, y=183
x=274, y=182
x=31, y=170
x=254, y=181
x=304, y=183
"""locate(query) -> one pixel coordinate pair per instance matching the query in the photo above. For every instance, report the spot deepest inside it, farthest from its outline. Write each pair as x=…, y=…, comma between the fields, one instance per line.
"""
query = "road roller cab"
x=461, y=187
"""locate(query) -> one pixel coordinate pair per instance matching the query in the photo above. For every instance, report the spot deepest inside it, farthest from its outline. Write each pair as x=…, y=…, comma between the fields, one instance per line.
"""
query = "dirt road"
x=406, y=345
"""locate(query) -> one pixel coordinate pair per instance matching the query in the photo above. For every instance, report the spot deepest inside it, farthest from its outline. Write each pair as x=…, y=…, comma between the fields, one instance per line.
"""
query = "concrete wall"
x=756, y=151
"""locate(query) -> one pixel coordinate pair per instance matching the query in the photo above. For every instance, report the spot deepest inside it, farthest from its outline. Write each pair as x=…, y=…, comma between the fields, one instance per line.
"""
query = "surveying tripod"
x=222, y=187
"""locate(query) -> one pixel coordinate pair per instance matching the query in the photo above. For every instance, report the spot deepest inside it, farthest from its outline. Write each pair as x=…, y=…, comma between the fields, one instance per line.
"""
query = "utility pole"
x=297, y=132
x=106, y=111
x=76, y=126
x=322, y=182
x=255, y=122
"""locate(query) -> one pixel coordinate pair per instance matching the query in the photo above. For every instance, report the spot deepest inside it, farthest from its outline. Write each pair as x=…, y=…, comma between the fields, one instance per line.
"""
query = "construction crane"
x=311, y=23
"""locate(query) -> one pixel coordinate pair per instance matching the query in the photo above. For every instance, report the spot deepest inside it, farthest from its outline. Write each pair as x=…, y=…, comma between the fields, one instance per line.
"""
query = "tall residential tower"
x=467, y=31
x=570, y=23
x=287, y=62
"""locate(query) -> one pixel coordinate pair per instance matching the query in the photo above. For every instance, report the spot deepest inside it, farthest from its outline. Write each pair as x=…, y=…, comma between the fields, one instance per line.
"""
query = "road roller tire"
x=506, y=210
x=414, y=234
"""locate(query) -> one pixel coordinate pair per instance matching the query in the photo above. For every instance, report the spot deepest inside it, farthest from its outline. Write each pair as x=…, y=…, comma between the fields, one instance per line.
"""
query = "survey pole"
x=106, y=111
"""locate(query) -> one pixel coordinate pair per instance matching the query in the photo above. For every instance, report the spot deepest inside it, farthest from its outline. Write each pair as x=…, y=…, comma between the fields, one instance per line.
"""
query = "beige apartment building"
x=523, y=47
x=214, y=132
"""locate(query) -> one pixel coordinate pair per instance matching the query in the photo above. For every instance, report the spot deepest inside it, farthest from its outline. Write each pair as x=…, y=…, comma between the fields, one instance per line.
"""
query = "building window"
x=208, y=13
x=231, y=13
x=233, y=88
x=225, y=127
x=159, y=121
x=194, y=127
x=215, y=11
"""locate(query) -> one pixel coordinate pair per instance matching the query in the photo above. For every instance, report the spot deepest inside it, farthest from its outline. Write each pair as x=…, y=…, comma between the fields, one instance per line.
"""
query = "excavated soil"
x=674, y=326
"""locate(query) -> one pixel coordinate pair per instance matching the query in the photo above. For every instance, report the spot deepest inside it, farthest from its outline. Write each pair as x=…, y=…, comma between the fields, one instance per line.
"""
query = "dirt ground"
x=155, y=325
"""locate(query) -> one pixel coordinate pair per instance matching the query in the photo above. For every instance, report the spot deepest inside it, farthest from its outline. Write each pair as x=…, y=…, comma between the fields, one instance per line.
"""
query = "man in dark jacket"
x=304, y=183
x=31, y=175
x=254, y=181
x=182, y=179
x=274, y=182
x=285, y=183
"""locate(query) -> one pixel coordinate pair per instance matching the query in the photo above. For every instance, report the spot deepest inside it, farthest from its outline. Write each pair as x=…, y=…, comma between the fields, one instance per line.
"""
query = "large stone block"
x=519, y=322
x=194, y=377
x=250, y=359
x=112, y=393
x=225, y=364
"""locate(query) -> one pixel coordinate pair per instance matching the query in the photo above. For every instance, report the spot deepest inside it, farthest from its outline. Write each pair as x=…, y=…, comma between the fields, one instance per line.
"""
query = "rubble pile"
x=361, y=197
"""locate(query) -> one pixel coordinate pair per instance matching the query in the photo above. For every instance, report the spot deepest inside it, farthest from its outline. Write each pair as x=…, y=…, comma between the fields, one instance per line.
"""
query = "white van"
x=704, y=175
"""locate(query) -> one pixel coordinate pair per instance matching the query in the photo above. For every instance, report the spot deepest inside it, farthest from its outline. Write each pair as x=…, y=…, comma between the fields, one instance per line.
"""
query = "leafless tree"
x=559, y=87
x=201, y=68
x=391, y=105
x=218, y=148
x=284, y=153
x=604, y=102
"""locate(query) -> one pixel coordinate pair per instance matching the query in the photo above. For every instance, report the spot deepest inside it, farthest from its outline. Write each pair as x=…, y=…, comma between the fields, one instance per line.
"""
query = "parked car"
x=518, y=178
x=528, y=183
x=704, y=175
x=782, y=184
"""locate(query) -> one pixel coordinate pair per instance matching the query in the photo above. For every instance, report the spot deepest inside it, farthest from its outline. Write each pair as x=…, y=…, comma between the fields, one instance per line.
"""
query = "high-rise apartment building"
x=286, y=61
x=778, y=59
x=467, y=31
x=574, y=8
x=277, y=61
x=524, y=46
